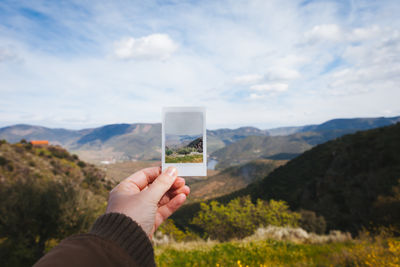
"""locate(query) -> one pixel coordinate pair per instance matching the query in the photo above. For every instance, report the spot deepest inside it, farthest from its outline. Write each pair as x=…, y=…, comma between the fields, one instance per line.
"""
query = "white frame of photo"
x=185, y=169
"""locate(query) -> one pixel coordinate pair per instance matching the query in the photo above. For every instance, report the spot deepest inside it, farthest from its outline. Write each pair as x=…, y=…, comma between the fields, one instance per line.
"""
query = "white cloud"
x=254, y=96
x=270, y=87
x=154, y=46
x=362, y=34
x=348, y=66
x=7, y=54
x=248, y=79
x=373, y=65
x=282, y=74
x=324, y=32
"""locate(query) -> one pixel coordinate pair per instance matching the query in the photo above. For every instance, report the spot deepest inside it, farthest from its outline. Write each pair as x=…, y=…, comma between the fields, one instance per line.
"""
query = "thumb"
x=162, y=184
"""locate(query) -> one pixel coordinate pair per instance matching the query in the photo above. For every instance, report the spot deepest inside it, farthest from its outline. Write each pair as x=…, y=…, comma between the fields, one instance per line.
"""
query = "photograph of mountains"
x=183, y=148
x=285, y=114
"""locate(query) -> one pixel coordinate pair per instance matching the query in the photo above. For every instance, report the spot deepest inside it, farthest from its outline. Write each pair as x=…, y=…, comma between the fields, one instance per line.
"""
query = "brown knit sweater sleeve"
x=114, y=240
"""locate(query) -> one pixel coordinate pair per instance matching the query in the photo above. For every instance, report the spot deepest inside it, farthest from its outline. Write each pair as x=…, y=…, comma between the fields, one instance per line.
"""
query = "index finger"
x=144, y=177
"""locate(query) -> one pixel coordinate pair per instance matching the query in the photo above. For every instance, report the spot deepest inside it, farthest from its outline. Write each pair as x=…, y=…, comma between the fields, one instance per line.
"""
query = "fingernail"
x=171, y=171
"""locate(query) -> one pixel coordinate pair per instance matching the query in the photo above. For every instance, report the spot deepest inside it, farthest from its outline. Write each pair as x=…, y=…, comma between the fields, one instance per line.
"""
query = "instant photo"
x=184, y=140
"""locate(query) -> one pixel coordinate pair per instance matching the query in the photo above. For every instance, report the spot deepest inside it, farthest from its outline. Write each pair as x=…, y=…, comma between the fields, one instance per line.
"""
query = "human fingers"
x=166, y=210
x=142, y=178
x=161, y=184
x=179, y=182
x=171, y=194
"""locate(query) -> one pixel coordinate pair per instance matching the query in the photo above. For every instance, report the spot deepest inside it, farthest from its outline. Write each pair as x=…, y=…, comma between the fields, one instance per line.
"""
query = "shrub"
x=169, y=229
x=28, y=146
x=23, y=141
x=310, y=222
x=186, y=150
x=59, y=152
x=34, y=211
x=3, y=161
x=81, y=164
x=240, y=217
x=168, y=151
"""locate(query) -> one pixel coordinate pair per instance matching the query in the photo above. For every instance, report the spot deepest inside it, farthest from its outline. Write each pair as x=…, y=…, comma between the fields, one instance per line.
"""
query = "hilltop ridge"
x=142, y=141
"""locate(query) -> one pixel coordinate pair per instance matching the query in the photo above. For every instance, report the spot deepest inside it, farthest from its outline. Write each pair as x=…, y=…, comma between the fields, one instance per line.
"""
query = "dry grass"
x=294, y=247
x=298, y=235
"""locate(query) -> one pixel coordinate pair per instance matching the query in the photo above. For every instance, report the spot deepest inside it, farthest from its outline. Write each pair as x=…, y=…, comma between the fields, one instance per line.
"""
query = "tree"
x=240, y=217
x=168, y=152
x=311, y=222
x=35, y=211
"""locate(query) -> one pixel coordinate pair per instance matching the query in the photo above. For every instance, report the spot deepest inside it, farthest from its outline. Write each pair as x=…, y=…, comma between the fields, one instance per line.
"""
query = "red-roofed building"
x=39, y=142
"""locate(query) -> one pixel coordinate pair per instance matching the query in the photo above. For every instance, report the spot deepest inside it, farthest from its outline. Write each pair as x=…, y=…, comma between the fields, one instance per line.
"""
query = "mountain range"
x=352, y=181
x=142, y=141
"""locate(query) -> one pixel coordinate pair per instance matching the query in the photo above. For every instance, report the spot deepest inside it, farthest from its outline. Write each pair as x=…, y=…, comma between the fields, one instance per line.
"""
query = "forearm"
x=114, y=240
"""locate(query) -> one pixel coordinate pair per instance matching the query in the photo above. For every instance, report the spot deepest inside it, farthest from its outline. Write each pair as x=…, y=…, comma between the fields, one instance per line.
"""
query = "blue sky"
x=79, y=64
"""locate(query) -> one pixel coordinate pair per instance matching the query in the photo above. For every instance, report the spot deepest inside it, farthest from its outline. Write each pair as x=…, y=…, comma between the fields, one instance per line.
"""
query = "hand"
x=149, y=197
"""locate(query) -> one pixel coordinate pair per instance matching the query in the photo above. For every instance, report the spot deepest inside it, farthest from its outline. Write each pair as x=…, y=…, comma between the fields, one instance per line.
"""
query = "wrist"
x=122, y=230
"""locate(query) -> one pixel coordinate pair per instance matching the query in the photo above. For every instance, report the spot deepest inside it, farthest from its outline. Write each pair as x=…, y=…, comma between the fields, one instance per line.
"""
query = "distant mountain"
x=105, y=133
x=117, y=141
x=277, y=146
x=142, y=141
x=356, y=124
x=17, y=132
x=220, y=138
x=284, y=130
x=175, y=140
x=197, y=144
x=255, y=147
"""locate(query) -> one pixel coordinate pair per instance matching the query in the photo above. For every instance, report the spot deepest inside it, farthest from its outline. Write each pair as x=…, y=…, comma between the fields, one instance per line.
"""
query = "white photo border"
x=185, y=169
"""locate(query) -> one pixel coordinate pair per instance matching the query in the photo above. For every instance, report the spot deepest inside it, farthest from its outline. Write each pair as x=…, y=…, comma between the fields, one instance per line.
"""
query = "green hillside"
x=231, y=179
x=353, y=181
x=292, y=140
x=46, y=194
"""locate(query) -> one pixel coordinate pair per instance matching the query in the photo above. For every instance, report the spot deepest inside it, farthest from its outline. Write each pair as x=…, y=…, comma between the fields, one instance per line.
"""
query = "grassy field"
x=184, y=159
x=385, y=252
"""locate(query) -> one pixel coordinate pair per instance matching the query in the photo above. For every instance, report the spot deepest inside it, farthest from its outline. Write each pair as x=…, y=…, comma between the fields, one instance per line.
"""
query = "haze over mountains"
x=142, y=141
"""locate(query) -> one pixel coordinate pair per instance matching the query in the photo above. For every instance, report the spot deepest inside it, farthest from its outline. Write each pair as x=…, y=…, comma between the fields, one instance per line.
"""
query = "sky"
x=80, y=64
x=184, y=123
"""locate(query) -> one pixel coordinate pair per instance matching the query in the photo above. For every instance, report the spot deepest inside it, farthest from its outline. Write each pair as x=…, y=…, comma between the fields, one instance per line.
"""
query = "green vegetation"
x=169, y=229
x=311, y=222
x=347, y=180
x=45, y=196
x=350, y=183
x=240, y=217
x=197, y=158
x=168, y=151
x=353, y=181
x=190, y=153
x=380, y=252
x=231, y=179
